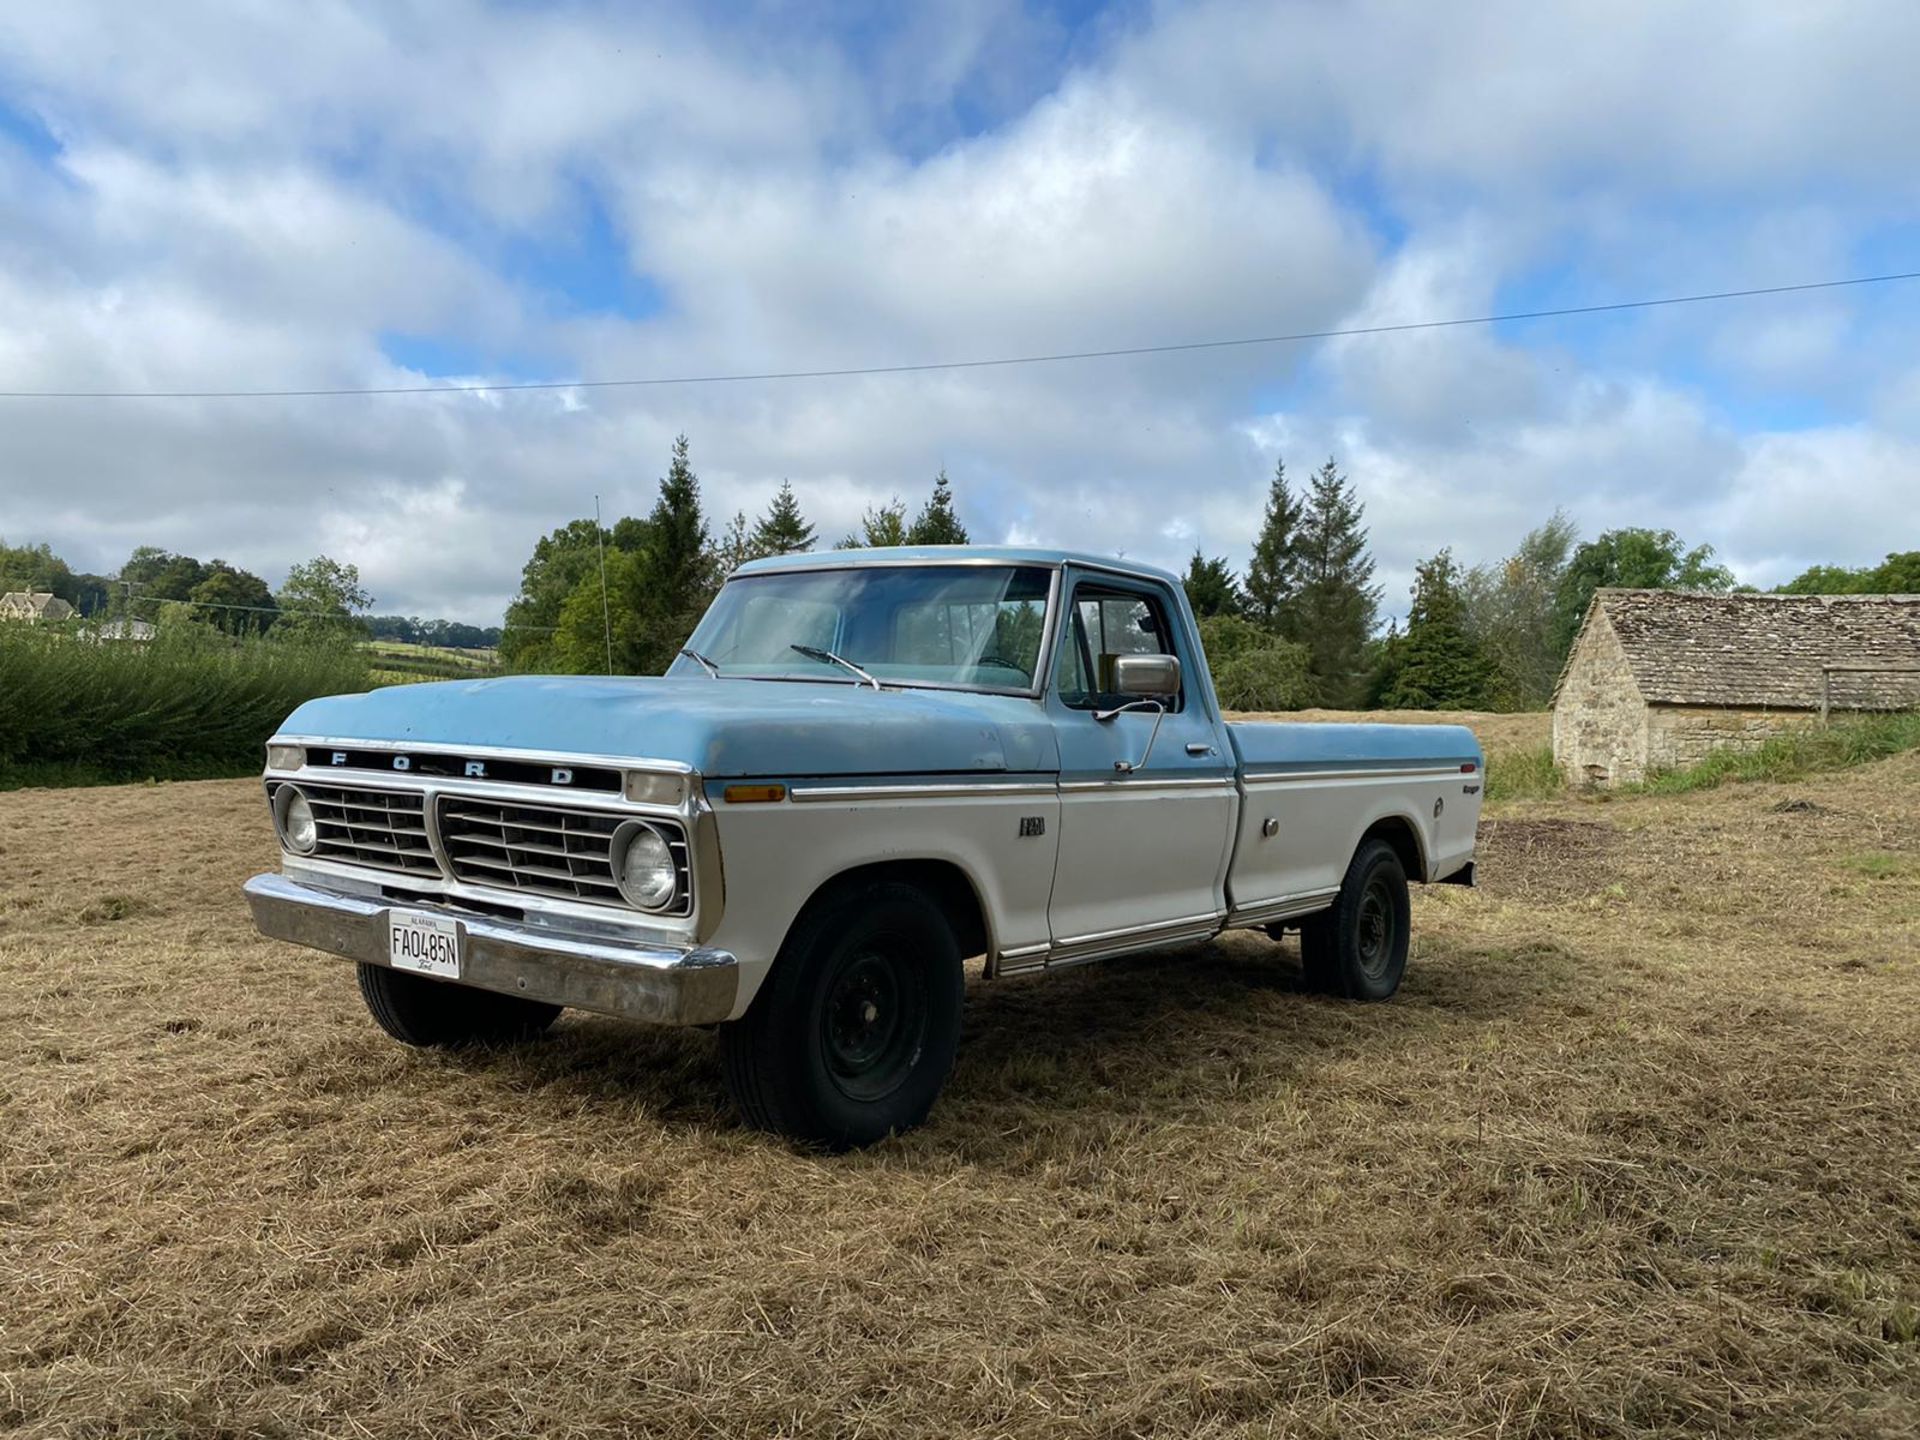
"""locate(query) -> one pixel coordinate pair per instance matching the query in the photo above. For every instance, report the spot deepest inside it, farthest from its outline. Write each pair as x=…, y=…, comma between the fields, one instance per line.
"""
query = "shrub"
x=1254, y=669
x=188, y=703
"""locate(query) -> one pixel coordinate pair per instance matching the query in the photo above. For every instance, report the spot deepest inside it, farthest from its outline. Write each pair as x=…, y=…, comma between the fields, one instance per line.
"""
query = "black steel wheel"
x=875, y=1018
x=854, y=1031
x=1358, y=948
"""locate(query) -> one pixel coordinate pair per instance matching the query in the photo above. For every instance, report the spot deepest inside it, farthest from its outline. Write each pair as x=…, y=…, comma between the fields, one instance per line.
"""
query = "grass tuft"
x=1795, y=754
x=1528, y=774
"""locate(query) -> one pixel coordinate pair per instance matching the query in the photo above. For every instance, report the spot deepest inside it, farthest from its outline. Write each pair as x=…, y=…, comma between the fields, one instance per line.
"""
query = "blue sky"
x=389, y=194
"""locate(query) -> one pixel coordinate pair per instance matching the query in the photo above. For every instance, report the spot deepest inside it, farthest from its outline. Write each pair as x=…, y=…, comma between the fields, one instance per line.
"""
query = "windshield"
x=978, y=627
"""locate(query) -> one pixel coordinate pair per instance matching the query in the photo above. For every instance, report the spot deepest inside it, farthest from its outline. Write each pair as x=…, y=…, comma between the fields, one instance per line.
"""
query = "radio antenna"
x=606, y=608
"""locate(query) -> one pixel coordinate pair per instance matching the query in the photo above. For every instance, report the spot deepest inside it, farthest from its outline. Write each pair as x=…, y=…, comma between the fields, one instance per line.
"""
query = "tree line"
x=320, y=597
x=1300, y=628
x=661, y=570
x=1491, y=636
x=319, y=601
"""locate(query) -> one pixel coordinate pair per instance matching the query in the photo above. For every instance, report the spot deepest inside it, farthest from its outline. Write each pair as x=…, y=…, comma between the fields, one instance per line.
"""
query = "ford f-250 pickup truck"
x=865, y=767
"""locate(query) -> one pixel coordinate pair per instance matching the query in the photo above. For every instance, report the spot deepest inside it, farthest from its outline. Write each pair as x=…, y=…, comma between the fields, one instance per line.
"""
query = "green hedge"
x=184, y=704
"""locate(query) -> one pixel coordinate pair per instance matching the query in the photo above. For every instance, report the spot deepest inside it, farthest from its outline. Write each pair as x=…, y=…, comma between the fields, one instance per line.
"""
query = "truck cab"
x=864, y=768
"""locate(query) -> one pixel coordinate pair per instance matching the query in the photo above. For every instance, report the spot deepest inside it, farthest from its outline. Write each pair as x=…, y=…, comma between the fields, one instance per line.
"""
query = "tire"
x=1358, y=948
x=416, y=1010
x=853, y=1033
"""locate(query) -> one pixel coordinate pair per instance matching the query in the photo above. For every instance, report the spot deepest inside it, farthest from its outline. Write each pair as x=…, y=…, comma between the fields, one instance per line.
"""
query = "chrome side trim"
x=943, y=790
x=669, y=986
x=1101, y=944
x=1281, y=907
x=808, y=794
x=1020, y=960
x=1262, y=779
x=1024, y=952
x=1134, y=786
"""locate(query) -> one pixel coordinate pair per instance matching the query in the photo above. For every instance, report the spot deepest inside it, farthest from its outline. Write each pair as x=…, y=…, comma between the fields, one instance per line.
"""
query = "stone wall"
x=1599, y=720
x=1683, y=735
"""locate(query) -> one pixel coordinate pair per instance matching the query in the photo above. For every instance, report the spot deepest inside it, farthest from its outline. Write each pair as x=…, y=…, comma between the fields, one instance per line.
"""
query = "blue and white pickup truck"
x=865, y=768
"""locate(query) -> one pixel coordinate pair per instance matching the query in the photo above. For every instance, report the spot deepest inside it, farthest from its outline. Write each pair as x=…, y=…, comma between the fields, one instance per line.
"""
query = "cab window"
x=1104, y=623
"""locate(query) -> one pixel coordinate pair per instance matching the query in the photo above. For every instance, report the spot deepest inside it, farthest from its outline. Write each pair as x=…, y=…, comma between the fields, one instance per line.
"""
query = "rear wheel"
x=853, y=1034
x=418, y=1011
x=1358, y=948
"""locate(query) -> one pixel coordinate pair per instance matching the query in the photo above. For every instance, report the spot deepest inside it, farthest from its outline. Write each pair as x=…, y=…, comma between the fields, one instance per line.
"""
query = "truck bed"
x=1311, y=792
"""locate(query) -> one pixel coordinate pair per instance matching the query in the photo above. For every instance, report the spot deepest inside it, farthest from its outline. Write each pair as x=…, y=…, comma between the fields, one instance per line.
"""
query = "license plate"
x=425, y=944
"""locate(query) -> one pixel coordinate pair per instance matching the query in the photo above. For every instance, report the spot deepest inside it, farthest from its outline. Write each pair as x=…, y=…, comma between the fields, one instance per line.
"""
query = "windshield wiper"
x=814, y=652
x=704, y=663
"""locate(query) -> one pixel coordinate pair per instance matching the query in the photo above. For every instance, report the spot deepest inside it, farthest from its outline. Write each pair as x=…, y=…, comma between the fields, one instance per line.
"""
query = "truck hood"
x=728, y=727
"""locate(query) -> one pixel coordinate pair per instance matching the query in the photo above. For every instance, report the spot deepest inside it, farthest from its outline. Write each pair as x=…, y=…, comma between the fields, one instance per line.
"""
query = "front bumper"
x=638, y=982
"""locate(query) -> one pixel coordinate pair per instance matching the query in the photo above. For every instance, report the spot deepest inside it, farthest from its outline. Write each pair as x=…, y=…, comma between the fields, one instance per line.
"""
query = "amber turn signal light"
x=753, y=794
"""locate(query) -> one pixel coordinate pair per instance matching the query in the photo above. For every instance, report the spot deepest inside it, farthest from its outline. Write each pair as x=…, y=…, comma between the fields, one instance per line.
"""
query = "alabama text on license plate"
x=427, y=944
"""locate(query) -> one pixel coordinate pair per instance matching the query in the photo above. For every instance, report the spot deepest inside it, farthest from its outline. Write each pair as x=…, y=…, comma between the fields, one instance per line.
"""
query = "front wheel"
x=1358, y=948
x=416, y=1010
x=854, y=1032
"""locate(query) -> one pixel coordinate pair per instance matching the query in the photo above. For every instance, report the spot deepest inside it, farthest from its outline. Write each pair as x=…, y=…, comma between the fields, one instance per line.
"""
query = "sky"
x=263, y=196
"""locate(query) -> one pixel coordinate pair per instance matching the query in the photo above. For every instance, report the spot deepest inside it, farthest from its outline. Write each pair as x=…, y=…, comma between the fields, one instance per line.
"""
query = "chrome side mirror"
x=1155, y=678
x=1146, y=675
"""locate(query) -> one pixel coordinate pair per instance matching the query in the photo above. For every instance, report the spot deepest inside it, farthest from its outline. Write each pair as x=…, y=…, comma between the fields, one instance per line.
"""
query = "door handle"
x=1199, y=747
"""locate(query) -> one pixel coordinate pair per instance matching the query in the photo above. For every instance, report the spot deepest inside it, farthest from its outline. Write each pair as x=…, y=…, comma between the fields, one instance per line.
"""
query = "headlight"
x=286, y=757
x=643, y=865
x=297, y=830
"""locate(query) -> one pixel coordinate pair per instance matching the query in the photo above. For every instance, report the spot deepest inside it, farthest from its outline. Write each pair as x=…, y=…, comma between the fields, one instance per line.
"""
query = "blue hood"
x=719, y=727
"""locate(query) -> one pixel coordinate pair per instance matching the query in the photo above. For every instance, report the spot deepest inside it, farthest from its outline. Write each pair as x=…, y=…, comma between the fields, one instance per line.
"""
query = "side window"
x=1102, y=625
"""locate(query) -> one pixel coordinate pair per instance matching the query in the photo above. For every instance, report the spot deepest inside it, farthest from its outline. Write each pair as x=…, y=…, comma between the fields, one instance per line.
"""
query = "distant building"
x=1659, y=678
x=138, y=631
x=32, y=605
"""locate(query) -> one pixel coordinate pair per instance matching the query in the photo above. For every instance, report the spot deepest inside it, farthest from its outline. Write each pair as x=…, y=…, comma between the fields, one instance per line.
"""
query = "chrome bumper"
x=638, y=982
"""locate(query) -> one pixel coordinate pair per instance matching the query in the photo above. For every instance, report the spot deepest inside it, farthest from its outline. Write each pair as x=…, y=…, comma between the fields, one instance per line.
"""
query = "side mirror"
x=1157, y=675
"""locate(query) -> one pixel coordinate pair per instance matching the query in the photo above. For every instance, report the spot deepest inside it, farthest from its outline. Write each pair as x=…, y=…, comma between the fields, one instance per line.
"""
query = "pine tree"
x=734, y=548
x=676, y=547
x=658, y=582
x=1334, y=611
x=1211, y=587
x=1436, y=664
x=1273, y=579
x=937, y=524
x=782, y=530
x=881, y=525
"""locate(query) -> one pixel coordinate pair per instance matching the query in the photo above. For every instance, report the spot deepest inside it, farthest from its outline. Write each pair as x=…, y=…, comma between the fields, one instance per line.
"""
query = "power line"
x=848, y=372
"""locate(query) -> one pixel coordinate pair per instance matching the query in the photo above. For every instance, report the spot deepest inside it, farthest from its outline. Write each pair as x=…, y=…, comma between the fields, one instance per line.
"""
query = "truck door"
x=1144, y=837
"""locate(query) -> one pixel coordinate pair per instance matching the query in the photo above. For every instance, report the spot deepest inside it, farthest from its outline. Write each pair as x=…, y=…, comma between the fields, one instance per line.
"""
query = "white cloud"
x=255, y=199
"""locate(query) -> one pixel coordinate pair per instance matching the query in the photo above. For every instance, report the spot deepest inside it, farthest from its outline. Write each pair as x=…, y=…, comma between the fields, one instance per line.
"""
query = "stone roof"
x=1764, y=651
x=42, y=605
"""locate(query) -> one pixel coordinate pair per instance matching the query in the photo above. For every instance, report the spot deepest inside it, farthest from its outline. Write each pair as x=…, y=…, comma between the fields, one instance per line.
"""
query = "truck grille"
x=544, y=850
x=386, y=829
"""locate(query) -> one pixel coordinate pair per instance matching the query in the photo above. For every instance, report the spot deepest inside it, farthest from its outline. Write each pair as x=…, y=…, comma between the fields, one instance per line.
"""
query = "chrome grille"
x=545, y=850
x=385, y=829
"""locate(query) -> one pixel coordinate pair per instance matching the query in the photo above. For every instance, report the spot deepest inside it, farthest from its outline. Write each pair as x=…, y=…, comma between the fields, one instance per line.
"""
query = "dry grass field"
x=1636, y=1152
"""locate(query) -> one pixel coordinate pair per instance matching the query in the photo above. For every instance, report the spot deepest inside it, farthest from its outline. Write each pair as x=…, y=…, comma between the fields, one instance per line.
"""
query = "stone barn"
x=1658, y=678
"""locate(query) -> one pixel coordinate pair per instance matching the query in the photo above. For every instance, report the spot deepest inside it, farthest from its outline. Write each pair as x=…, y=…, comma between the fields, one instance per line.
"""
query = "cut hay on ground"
x=1634, y=1154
